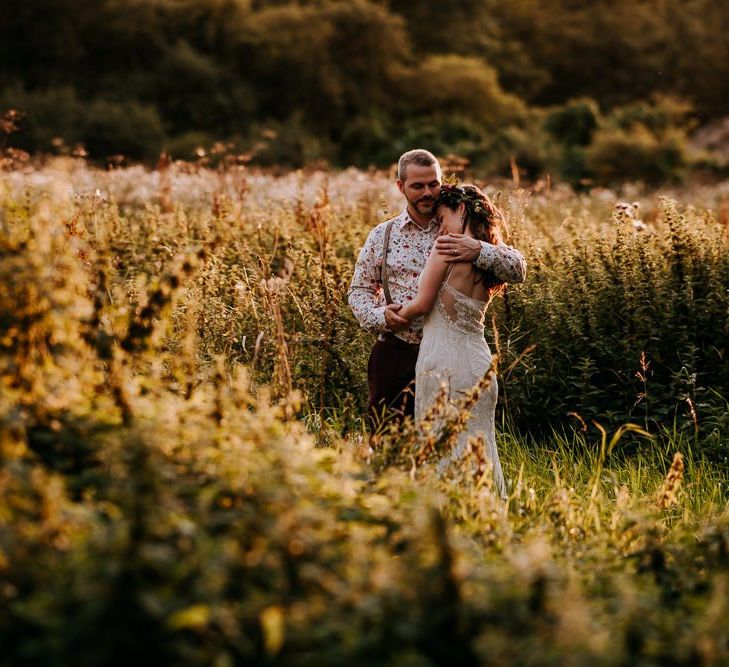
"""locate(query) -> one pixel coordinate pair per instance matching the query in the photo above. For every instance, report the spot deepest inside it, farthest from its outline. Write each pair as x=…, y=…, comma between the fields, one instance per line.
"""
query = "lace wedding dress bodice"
x=454, y=351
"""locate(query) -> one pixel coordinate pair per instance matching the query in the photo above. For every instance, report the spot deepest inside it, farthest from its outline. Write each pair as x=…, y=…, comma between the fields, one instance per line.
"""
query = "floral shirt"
x=407, y=253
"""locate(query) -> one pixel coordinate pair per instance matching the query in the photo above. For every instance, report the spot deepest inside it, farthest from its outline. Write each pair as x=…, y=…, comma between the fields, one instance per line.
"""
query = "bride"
x=454, y=296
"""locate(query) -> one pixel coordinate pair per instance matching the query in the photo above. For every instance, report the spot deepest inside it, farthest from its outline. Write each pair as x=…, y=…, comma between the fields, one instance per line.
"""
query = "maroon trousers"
x=391, y=378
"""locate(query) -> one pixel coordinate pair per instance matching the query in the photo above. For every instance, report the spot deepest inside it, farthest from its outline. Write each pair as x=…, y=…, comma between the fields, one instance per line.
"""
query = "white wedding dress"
x=454, y=350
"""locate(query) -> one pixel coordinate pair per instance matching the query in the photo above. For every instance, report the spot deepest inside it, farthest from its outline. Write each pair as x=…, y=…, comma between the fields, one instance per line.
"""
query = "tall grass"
x=176, y=350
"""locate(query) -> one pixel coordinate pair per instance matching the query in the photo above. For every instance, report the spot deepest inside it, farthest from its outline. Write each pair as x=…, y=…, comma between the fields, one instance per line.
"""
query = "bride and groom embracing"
x=441, y=258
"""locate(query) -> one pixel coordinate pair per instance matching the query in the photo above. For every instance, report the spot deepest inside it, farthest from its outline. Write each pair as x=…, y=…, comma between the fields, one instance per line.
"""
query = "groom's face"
x=421, y=187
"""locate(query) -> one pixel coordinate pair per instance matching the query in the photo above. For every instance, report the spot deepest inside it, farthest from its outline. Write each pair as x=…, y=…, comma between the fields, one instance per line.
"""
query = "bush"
x=526, y=144
x=368, y=140
x=573, y=127
x=459, y=85
x=194, y=92
x=604, y=304
x=441, y=134
x=637, y=154
x=574, y=123
x=103, y=127
x=184, y=146
x=128, y=128
x=660, y=114
x=49, y=114
x=644, y=141
x=289, y=143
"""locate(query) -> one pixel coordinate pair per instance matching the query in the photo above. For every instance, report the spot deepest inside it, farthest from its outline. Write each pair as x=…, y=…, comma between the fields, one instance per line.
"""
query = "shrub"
x=574, y=123
x=368, y=140
x=644, y=141
x=573, y=126
x=637, y=154
x=660, y=114
x=601, y=306
x=289, y=143
x=183, y=147
x=49, y=114
x=463, y=86
x=128, y=128
x=103, y=127
x=525, y=145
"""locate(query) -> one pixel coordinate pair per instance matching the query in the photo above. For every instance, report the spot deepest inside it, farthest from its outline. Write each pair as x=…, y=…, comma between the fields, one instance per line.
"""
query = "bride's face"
x=451, y=222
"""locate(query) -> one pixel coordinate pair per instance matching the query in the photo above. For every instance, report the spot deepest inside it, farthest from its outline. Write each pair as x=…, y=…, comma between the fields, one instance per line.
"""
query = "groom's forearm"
x=369, y=314
x=506, y=263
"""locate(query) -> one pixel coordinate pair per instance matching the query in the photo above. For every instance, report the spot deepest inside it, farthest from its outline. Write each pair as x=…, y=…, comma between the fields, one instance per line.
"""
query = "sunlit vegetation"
x=183, y=473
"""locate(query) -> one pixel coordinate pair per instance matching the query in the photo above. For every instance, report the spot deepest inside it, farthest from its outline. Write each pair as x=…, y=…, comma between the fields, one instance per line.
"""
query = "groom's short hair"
x=418, y=156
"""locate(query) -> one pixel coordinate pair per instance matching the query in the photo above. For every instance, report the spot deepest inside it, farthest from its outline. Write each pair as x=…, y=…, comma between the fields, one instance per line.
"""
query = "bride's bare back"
x=468, y=280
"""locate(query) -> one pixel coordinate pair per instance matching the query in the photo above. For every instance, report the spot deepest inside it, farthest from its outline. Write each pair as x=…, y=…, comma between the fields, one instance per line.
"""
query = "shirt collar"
x=405, y=218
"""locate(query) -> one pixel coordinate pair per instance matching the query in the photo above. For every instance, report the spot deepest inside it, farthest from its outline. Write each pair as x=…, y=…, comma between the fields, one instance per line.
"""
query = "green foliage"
x=644, y=141
x=103, y=127
x=163, y=503
x=660, y=115
x=575, y=123
x=290, y=142
x=49, y=114
x=127, y=128
x=637, y=154
x=193, y=91
x=323, y=60
x=617, y=52
x=354, y=78
x=476, y=29
x=456, y=84
x=528, y=145
x=626, y=323
x=184, y=146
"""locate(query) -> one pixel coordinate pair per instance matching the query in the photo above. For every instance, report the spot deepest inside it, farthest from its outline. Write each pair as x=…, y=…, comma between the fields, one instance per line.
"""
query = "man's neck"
x=421, y=221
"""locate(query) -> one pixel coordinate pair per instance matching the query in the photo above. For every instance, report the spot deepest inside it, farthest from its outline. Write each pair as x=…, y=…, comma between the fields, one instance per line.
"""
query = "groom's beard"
x=424, y=205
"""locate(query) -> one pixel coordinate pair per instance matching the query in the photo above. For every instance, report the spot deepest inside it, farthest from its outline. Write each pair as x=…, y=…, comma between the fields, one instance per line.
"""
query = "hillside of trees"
x=592, y=91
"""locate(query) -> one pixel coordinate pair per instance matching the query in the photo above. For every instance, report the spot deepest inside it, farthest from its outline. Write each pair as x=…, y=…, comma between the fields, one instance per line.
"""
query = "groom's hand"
x=393, y=320
x=458, y=248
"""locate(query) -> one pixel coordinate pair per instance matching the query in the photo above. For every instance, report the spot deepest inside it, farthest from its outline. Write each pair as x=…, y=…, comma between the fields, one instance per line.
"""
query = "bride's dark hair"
x=482, y=217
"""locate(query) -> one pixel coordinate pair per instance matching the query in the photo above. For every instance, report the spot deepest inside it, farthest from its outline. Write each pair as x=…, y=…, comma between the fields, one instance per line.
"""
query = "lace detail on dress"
x=460, y=311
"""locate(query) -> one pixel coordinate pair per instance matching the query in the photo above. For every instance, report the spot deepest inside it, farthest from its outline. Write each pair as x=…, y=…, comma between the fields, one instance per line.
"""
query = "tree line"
x=569, y=86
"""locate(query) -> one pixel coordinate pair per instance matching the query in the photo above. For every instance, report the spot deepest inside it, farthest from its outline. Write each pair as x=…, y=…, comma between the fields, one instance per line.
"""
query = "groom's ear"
x=400, y=186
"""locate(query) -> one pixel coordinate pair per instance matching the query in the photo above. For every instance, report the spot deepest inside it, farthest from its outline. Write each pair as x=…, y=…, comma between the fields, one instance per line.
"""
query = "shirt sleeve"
x=365, y=295
x=506, y=263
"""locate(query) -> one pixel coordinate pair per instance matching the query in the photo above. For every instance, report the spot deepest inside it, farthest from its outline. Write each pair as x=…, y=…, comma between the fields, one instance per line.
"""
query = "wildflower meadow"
x=185, y=474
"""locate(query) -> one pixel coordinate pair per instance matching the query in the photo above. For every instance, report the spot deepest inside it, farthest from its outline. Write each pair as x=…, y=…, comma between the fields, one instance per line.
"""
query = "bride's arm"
x=428, y=289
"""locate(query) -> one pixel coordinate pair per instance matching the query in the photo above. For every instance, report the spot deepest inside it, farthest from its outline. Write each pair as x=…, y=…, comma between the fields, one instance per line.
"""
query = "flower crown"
x=452, y=194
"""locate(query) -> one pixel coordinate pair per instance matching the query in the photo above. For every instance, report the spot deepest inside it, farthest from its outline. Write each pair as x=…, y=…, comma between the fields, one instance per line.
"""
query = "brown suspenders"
x=383, y=274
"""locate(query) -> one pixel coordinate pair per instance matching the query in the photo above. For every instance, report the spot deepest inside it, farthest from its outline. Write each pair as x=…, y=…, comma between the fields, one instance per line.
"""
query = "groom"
x=405, y=243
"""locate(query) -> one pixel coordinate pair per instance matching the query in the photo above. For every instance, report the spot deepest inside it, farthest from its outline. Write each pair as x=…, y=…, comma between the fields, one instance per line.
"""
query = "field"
x=183, y=474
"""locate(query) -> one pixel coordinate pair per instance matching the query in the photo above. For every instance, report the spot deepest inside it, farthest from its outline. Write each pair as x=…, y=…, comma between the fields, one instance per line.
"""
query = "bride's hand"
x=458, y=248
x=393, y=320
